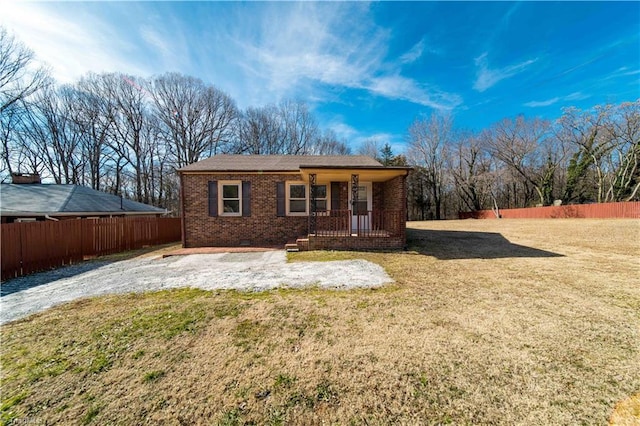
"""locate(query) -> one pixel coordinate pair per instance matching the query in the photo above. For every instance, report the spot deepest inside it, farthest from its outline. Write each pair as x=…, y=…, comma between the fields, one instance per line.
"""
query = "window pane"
x=297, y=191
x=297, y=206
x=321, y=205
x=230, y=191
x=362, y=192
x=321, y=191
x=231, y=206
x=360, y=208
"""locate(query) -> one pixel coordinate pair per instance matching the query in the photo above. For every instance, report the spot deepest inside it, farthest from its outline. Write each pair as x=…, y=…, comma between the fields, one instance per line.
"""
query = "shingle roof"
x=277, y=163
x=51, y=199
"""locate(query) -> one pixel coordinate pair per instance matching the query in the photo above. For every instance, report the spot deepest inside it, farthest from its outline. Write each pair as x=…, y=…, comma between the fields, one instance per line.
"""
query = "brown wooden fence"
x=595, y=211
x=35, y=246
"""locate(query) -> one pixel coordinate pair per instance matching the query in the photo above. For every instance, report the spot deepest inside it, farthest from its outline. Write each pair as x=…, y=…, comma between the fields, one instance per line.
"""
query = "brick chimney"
x=25, y=178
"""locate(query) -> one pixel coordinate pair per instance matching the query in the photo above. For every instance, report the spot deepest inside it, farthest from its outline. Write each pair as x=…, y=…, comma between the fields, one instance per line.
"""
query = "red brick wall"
x=392, y=200
x=356, y=243
x=262, y=228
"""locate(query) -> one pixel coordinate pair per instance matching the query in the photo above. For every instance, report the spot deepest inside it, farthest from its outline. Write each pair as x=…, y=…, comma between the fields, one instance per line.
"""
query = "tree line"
x=127, y=135
x=588, y=156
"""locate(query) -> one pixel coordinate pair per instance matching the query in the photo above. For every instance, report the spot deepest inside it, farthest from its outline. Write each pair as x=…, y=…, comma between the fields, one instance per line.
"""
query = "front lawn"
x=489, y=322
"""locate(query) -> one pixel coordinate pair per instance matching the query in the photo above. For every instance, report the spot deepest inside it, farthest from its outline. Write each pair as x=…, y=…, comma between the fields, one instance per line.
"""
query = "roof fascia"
x=373, y=168
x=240, y=172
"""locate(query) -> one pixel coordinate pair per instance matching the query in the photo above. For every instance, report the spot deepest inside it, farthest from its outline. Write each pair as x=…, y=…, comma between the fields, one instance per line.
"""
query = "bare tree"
x=286, y=129
x=50, y=131
x=9, y=120
x=129, y=146
x=623, y=163
x=19, y=76
x=429, y=147
x=300, y=128
x=470, y=167
x=524, y=146
x=370, y=147
x=260, y=131
x=328, y=144
x=92, y=114
x=196, y=119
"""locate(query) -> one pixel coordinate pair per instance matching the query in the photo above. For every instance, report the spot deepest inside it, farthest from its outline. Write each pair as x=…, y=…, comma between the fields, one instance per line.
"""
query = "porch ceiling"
x=344, y=174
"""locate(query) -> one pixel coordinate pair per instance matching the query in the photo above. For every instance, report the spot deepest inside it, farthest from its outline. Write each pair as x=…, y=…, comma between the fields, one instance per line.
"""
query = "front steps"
x=301, y=244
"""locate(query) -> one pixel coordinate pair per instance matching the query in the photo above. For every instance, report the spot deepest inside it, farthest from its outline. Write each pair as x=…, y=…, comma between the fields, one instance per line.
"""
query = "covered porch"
x=356, y=208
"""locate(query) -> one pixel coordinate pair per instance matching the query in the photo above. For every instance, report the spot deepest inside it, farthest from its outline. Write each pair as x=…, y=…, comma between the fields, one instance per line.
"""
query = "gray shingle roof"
x=52, y=199
x=277, y=163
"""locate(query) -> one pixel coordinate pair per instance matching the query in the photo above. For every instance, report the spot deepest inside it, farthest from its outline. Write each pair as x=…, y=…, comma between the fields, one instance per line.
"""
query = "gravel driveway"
x=254, y=271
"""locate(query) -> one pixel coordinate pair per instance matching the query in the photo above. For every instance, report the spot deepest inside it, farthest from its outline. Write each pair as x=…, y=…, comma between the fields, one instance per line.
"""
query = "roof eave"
x=200, y=171
x=358, y=167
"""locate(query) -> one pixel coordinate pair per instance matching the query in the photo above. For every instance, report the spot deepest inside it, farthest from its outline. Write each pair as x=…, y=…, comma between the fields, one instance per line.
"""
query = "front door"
x=361, y=210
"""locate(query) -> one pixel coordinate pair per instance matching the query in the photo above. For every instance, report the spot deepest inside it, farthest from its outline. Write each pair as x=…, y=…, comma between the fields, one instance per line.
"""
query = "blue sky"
x=367, y=70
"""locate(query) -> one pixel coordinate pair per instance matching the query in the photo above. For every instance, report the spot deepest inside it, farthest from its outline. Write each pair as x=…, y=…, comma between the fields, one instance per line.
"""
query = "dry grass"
x=490, y=322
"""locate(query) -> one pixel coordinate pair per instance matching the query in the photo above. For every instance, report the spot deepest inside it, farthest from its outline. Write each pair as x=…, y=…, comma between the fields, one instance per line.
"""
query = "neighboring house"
x=321, y=202
x=35, y=201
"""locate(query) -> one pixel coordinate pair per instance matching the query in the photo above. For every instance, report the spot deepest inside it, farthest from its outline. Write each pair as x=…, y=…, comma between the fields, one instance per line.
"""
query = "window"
x=321, y=198
x=296, y=198
x=230, y=198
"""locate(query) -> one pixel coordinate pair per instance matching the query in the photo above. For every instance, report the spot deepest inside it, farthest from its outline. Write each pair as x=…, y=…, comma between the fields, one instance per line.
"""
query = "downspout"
x=46, y=216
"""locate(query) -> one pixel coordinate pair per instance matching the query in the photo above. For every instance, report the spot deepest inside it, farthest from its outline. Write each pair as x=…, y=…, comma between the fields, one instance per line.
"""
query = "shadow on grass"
x=447, y=245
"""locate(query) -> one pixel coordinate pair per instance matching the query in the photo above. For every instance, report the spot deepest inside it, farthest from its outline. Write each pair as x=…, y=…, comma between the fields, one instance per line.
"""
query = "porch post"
x=314, y=209
x=355, y=180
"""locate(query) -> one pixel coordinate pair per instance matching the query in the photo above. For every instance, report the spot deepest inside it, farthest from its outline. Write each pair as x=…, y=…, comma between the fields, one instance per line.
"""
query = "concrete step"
x=291, y=247
x=303, y=244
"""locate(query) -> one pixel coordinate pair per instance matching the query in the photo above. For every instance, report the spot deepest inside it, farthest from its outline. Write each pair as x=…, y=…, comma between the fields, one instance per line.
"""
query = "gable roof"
x=52, y=199
x=278, y=163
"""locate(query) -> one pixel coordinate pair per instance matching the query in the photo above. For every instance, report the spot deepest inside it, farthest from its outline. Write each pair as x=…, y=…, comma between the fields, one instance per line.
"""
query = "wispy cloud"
x=342, y=130
x=418, y=50
x=357, y=138
x=57, y=39
x=488, y=77
x=155, y=40
x=623, y=72
x=308, y=46
x=271, y=51
x=535, y=104
x=402, y=88
x=575, y=96
x=414, y=53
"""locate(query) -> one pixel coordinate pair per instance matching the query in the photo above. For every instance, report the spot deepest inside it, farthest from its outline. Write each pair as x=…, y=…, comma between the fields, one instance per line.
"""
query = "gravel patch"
x=254, y=271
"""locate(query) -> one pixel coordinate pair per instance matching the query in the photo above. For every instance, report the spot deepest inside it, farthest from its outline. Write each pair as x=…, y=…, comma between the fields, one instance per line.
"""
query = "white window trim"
x=221, y=211
x=287, y=198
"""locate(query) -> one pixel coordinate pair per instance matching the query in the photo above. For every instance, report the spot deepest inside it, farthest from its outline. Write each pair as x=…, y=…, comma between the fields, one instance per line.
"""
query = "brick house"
x=320, y=202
